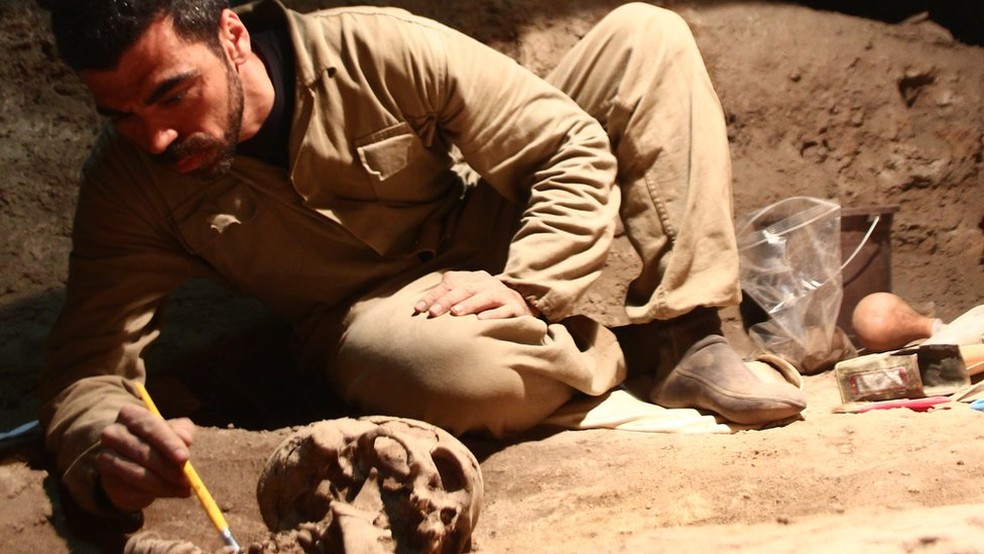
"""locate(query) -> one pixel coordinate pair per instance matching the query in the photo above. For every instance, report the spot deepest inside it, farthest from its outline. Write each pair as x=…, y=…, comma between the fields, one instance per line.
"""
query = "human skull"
x=374, y=484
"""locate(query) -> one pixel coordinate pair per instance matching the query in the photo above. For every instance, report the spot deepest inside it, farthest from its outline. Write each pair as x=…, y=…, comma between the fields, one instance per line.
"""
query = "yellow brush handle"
x=211, y=508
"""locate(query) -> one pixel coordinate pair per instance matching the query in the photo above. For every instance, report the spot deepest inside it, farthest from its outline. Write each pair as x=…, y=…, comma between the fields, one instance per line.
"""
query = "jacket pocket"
x=385, y=153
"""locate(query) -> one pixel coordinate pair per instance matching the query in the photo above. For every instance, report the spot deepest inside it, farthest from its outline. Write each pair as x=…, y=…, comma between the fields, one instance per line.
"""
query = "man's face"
x=178, y=100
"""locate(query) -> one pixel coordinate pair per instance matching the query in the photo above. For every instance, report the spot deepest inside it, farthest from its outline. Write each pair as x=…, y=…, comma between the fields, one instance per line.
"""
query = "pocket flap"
x=385, y=153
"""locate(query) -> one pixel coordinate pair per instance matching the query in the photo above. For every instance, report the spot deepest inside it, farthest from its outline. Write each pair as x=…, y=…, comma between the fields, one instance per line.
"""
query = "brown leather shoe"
x=700, y=369
x=712, y=377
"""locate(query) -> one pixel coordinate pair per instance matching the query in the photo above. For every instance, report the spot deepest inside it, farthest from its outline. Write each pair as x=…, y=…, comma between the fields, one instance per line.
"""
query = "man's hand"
x=473, y=292
x=142, y=458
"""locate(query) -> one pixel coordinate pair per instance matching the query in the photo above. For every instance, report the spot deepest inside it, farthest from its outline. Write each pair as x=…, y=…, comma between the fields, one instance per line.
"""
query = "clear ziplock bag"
x=791, y=267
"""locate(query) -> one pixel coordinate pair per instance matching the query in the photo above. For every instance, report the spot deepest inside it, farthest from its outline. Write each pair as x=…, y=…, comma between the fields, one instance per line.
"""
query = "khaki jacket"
x=384, y=103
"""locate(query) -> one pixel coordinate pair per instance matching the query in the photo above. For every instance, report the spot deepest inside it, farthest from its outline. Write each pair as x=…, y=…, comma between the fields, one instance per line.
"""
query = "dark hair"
x=94, y=34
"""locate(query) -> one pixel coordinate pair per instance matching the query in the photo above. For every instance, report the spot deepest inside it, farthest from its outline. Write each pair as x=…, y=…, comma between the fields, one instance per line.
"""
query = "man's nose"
x=158, y=137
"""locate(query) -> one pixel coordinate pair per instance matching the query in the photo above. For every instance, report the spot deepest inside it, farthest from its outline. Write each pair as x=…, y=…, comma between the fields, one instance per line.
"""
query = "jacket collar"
x=313, y=58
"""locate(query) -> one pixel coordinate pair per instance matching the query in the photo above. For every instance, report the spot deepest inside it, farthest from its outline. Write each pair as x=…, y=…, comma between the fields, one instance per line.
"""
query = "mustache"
x=195, y=143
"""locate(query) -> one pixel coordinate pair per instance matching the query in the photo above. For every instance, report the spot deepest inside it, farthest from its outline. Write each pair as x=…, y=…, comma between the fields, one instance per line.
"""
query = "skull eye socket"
x=449, y=467
x=392, y=456
x=448, y=515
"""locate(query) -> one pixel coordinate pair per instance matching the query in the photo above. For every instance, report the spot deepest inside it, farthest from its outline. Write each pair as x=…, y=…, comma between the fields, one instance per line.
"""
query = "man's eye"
x=173, y=100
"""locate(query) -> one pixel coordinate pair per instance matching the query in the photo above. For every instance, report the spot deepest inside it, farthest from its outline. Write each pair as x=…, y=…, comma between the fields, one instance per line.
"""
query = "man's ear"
x=234, y=37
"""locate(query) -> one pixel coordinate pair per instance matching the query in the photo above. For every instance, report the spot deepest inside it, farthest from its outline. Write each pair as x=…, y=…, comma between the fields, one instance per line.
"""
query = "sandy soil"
x=861, y=111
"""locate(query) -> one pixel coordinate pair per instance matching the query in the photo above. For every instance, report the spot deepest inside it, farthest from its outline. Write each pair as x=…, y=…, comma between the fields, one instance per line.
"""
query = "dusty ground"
x=861, y=111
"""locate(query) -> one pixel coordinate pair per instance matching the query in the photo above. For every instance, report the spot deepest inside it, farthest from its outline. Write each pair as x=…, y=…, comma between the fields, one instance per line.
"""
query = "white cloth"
x=620, y=409
x=966, y=329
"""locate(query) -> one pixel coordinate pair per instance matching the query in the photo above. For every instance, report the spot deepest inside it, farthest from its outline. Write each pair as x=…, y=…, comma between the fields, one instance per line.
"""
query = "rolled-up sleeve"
x=121, y=267
x=535, y=146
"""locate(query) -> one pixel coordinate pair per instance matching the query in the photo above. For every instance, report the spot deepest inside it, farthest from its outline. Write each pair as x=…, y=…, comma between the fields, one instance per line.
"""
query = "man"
x=423, y=210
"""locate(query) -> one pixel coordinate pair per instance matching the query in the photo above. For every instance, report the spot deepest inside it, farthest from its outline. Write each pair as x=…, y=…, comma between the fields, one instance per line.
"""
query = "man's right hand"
x=142, y=457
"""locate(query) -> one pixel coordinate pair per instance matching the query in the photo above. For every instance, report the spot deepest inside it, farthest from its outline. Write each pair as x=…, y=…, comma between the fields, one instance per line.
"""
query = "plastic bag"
x=791, y=267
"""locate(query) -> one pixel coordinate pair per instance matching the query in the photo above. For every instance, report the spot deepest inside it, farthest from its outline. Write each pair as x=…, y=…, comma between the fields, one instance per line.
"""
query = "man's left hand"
x=473, y=292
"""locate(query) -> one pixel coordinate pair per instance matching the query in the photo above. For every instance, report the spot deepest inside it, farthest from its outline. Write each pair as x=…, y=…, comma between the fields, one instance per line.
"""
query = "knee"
x=450, y=372
x=640, y=14
x=649, y=23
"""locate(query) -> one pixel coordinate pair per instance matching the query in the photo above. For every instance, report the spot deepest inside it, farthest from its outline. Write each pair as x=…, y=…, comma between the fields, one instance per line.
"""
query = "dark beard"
x=223, y=150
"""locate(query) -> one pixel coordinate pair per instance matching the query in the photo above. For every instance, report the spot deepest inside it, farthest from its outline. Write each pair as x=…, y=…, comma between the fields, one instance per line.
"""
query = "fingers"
x=142, y=458
x=184, y=428
x=138, y=433
x=473, y=292
x=122, y=492
x=130, y=486
x=454, y=287
x=498, y=304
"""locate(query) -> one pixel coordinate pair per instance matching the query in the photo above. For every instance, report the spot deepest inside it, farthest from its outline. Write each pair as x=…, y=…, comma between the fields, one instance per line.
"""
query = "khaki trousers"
x=640, y=74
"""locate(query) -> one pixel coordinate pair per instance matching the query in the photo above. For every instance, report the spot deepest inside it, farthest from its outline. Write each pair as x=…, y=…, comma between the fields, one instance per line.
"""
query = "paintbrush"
x=211, y=508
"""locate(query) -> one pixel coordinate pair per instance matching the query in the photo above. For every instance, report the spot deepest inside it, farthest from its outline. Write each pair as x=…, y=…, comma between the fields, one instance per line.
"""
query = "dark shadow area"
x=484, y=447
x=24, y=325
x=964, y=19
x=224, y=359
x=85, y=532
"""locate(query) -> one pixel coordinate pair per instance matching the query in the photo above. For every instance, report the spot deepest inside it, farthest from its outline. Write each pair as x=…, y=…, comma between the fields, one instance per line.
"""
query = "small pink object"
x=914, y=404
